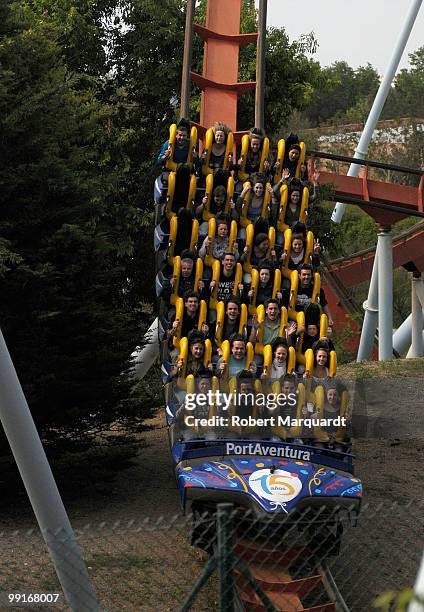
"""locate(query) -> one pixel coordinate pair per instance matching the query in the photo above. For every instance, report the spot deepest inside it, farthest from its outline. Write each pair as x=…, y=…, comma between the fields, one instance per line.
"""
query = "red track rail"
x=408, y=247
x=405, y=196
x=271, y=569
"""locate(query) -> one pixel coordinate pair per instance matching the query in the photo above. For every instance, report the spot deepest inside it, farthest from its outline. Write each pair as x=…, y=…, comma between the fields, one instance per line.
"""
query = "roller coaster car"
x=287, y=251
x=226, y=356
x=250, y=237
x=211, y=182
x=301, y=324
x=212, y=229
x=207, y=150
x=183, y=234
x=281, y=150
x=266, y=476
x=179, y=314
x=284, y=199
x=162, y=281
x=170, y=164
x=181, y=191
x=244, y=219
x=260, y=314
x=220, y=321
x=294, y=289
x=255, y=285
x=245, y=144
x=253, y=466
x=290, y=431
x=216, y=273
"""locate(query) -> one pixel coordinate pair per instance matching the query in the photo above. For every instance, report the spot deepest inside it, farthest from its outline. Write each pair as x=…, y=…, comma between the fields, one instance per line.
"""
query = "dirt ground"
x=151, y=566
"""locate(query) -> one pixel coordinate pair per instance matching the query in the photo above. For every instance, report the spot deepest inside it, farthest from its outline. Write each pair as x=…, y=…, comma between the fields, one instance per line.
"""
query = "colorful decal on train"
x=277, y=484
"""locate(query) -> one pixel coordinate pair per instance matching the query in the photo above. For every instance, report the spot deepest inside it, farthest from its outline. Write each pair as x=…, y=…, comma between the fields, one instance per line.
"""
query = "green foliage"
x=147, y=59
x=341, y=88
x=290, y=74
x=407, y=97
x=290, y=77
x=87, y=93
x=68, y=233
x=397, y=601
x=344, y=95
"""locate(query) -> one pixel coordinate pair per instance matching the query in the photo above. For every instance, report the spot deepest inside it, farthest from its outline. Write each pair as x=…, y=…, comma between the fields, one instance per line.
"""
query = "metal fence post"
x=225, y=557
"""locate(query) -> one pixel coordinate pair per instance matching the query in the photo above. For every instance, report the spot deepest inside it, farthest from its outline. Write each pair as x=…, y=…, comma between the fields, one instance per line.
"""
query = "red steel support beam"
x=386, y=193
x=219, y=81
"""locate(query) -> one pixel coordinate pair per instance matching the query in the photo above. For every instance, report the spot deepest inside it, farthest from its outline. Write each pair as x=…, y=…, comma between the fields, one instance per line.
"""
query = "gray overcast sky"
x=358, y=32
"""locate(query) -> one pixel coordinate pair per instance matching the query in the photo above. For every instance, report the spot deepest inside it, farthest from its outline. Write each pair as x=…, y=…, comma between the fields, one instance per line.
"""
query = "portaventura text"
x=256, y=448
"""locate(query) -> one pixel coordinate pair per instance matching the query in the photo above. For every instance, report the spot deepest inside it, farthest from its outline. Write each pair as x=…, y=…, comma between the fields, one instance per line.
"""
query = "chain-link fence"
x=319, y=559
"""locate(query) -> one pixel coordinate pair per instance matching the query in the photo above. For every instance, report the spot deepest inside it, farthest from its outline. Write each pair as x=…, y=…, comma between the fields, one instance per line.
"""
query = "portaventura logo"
x=256, y=448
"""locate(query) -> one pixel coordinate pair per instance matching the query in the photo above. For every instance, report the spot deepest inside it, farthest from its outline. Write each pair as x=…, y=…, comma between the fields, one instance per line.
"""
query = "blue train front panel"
x=274, y=484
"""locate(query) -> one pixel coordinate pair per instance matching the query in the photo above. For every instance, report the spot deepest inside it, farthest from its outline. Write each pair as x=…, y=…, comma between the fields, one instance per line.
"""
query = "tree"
x=84, y=30
x=290, y=75
x=67, y=233
x=407, y=97
x=341, y=88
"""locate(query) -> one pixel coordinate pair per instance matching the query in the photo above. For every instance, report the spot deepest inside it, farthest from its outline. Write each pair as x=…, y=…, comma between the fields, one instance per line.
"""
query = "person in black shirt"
x=259, y=251
x=187, y=278
x=226, y=278
x=253, y=158
x=190, y=317
x=231, y=321
x=305, y=291
x=217, y=206
x=245, y=394
x=219, y=145
x=291, y=158
x=266, y=286
x=195, y=365
x=297, y=253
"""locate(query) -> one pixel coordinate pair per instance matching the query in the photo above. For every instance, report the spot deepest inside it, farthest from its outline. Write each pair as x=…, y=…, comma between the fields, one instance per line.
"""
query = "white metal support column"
x=380, y=99
x=385, y=294
x=417, y=606
x=416, y=349
x=369, y=325
x=402, y=336
x=419, y=289
x=144, y=358
x=41, y=487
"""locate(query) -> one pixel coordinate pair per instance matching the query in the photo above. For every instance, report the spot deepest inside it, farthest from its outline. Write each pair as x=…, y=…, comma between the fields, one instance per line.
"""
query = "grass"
x=140, y=568
x=406, y=368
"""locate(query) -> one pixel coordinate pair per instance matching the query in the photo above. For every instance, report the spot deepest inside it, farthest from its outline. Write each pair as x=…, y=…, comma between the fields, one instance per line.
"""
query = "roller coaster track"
x=286, y=590
x=408, y=251
x=287, y=585
x=344, y=272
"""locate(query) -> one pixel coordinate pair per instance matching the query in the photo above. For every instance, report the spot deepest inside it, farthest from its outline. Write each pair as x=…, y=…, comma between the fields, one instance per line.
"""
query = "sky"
x=358, y=31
